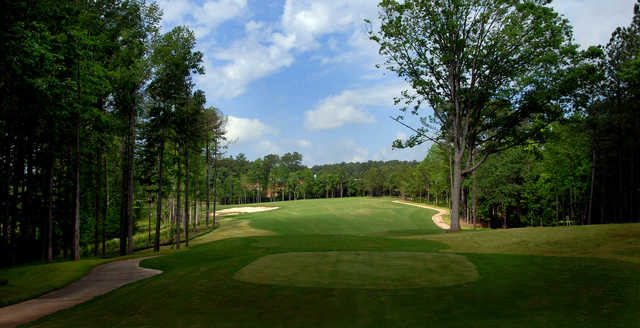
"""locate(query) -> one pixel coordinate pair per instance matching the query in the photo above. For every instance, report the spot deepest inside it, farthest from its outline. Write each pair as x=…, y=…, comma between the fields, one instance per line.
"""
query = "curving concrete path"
x=101, y=280
x=437, y=218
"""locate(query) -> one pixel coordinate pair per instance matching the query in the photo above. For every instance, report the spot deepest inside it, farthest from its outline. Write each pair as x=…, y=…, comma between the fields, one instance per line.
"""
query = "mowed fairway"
x=362, y=263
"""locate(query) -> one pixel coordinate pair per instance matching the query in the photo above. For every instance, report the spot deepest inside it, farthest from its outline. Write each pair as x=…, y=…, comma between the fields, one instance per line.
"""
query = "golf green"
x=377, y=270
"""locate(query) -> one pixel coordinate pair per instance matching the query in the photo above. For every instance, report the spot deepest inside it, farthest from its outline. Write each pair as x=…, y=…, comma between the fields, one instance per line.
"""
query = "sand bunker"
x=231, y=228
x=243, y=210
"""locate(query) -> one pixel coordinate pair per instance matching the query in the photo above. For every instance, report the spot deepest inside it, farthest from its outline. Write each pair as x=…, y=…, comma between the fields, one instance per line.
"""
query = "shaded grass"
x=28, y=281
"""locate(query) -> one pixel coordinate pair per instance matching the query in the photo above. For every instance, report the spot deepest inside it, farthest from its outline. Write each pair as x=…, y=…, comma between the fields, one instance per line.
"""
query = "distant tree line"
x=99, y=122
x=283, y=178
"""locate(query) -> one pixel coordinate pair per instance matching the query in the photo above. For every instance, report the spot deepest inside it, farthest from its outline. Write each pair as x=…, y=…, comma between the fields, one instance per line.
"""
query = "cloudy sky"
x=299, y=75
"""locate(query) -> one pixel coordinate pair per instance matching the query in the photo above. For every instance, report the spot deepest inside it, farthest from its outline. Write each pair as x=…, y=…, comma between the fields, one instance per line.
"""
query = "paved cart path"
x=101, y=280
x=437, y=218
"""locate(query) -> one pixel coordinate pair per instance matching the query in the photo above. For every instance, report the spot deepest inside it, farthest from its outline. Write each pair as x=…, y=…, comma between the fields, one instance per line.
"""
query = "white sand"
x=243, y=210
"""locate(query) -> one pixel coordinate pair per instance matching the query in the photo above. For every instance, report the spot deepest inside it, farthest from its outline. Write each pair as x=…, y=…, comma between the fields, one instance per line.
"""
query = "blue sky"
x=299, y=75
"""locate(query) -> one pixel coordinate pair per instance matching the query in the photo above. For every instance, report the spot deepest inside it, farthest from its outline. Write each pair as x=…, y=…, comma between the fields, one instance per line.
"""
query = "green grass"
x=612, y=241
x=377, y=270
x=349, y=216
x=199, y=287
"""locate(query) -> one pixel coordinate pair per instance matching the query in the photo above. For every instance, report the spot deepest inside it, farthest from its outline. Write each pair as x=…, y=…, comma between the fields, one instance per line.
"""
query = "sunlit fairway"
x=370, y=262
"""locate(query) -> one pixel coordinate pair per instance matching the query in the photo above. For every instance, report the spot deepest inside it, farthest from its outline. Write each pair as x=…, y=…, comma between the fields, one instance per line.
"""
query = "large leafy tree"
x=489, y=70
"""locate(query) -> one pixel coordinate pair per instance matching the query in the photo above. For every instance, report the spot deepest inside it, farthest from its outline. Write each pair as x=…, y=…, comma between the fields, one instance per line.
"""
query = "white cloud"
x=387, y=153
x=348, y=107
x=345, y=150
x=247, y=60
x=202, y=19
x=332, y=114
x=266, y=147
x=595, y=20
x=303, y=143
x=266, y=49
x=401, y=135
x=243, y=130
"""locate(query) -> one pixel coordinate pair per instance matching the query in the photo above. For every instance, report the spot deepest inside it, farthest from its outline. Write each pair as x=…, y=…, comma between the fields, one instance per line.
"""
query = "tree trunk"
x=195, y=202
x=208, y=165
x=504, y=216
x=593, y=180
x=557, y=206
x=215, y=181
x=156, y=244
x=123, y=201
x=76, y=194
x=178, y=208
x=130, y=191
x=428, y=194
x=172, y=215
x=49, y=224
x=463, y=205
x=186, y=196
x=571, y=203
x=456, y=190
x=98, y=191
x=105, y=209
x=474, y=210
x=6, y=207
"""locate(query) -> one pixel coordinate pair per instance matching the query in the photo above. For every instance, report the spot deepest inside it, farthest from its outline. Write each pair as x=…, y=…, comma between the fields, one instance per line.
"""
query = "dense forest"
x=107, y=146
x=99, y=119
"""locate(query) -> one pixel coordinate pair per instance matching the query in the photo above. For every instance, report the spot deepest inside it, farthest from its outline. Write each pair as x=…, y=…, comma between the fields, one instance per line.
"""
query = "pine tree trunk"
x=76, y=194
x=172, y=215
x=98, y=191
x=178, y=208
x=215, y=181
x=105, y=209
x=593, y=180
x=49, y=224
x=208, y=165
x=504, y=217
x=186, y=196
x=130, y=189
x=195, y=203
x=6, y=207
x=156, y=243
x=123, y=201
